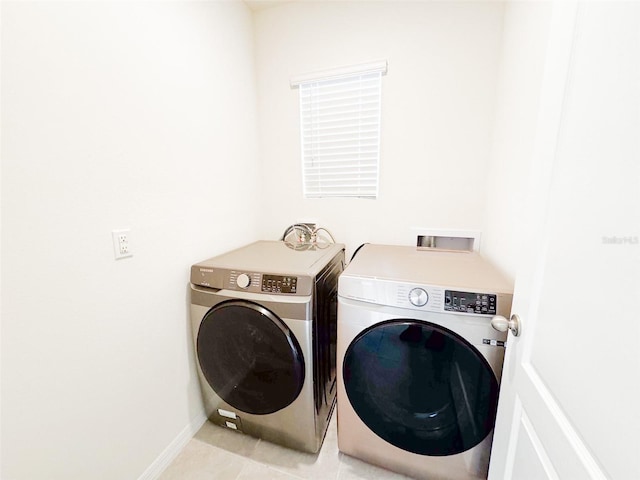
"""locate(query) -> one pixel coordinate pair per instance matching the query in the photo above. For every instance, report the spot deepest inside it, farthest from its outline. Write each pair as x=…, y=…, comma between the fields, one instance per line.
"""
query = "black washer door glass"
x=421, y=387
x=249, y=357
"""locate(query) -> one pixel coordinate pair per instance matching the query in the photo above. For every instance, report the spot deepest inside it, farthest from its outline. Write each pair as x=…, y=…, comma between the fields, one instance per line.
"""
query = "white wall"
x=522, y=63
x=139, y=115
x=437, y=111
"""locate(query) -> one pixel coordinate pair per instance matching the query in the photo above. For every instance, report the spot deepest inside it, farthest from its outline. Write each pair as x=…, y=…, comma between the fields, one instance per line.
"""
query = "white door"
x=570, y=396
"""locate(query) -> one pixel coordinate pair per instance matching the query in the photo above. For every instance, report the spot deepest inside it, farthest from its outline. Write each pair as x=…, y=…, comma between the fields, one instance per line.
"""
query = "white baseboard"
x=173, y=449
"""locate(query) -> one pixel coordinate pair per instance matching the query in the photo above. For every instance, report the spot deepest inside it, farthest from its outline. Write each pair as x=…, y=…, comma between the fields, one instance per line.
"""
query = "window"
x=340, y=131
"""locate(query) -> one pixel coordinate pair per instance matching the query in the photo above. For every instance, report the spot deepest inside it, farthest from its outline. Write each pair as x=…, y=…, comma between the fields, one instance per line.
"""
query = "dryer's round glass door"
x=421, y=387
x=250, y=357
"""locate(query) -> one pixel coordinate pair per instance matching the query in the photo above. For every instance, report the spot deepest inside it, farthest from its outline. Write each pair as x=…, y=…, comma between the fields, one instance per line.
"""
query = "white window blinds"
x=340, y=129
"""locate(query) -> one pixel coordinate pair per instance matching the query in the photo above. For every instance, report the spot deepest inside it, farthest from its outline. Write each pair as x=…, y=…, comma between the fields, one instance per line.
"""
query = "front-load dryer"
x=419, y=363
x=264, y=323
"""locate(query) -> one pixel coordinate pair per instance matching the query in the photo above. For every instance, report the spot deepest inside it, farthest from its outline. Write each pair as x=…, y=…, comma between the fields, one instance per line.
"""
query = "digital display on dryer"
x=467, y=302
x=279, y=284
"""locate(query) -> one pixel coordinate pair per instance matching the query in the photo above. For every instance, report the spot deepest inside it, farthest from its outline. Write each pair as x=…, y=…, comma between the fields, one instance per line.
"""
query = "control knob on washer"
x=418, y=297
x=243, y=280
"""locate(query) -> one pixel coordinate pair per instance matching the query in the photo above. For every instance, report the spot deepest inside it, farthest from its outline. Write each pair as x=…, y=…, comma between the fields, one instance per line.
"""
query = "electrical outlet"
x=121, y=243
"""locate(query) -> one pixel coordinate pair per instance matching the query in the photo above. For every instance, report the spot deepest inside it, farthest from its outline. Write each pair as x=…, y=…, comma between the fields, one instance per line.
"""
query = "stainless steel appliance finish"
x=419, y=364
x=264, y=323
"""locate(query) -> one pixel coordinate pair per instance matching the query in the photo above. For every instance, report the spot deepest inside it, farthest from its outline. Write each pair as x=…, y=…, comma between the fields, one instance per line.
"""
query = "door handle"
x=501, y=324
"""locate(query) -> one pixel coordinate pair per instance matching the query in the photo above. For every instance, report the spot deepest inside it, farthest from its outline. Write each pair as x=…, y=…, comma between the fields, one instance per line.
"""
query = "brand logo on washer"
x=207, y=270
x=493, y=343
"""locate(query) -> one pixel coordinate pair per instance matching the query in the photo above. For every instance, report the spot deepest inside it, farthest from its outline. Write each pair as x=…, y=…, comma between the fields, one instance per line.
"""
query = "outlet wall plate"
x=121, y=243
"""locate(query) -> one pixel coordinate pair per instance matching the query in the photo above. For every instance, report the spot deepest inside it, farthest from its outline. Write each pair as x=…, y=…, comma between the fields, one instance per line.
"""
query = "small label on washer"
x=493, y=343
x=227, y=413
x=231, y=425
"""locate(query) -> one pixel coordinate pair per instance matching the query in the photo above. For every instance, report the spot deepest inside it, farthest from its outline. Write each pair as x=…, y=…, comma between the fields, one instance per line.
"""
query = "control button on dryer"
x=418, y=297
x=243, y=280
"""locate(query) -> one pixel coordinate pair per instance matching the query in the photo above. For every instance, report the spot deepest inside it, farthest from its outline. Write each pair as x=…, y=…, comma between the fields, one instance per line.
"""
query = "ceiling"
x=256, y=5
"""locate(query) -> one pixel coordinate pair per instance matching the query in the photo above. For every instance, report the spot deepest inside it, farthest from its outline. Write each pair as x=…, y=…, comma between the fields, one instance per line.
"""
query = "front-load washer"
x=264, y=319
x=418, y=362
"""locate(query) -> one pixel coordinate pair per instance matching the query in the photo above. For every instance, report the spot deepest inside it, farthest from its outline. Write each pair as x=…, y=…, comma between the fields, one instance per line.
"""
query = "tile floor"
x=216, y=453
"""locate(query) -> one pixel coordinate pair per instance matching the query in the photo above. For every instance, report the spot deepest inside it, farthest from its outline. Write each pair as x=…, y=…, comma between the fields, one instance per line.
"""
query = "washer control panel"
x=255, y=282
x=244, y=280
x=468, y=302
x=279, y=284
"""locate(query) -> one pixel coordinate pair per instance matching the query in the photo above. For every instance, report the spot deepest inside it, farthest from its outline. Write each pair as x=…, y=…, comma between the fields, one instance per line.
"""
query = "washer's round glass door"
x=250, y=357
x=421, y=387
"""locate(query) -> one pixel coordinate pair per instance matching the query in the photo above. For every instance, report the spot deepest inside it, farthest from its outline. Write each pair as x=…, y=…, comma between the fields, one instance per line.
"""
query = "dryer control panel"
x=468, y=302
x=427, y=298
